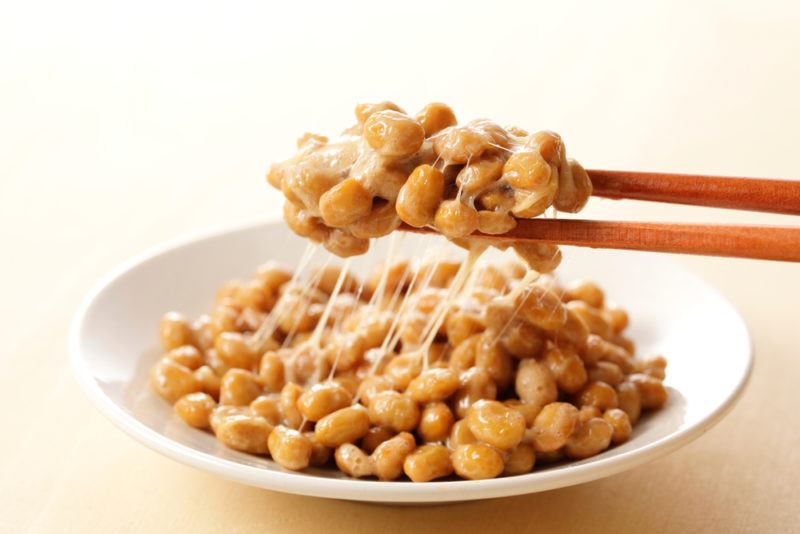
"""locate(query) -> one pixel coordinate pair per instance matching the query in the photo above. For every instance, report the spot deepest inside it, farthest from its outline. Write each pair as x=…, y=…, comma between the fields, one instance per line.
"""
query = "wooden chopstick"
x=752, y=194
x=757, y=242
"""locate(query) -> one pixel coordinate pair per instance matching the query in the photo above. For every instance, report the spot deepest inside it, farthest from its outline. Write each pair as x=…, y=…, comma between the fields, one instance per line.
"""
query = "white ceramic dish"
x=113, y=345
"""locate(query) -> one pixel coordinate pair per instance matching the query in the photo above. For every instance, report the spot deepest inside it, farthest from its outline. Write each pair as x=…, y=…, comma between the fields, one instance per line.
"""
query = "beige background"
x=123, y=125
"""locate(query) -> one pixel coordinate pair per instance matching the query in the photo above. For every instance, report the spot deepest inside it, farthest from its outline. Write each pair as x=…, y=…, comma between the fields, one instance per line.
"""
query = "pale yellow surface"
x=123, y=126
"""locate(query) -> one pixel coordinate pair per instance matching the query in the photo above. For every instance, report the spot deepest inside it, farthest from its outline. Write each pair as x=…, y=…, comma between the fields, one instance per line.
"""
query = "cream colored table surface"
x=125, y=125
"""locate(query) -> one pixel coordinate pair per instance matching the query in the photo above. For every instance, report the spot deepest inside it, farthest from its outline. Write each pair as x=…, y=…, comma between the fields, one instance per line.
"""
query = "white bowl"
x=113, y=345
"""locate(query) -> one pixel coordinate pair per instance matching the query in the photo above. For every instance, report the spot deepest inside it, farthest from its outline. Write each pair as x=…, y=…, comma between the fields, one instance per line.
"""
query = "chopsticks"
x=781, y=243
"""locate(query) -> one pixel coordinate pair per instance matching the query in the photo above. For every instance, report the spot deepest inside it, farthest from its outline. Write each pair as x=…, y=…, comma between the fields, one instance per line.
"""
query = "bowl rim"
x=359, y=489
